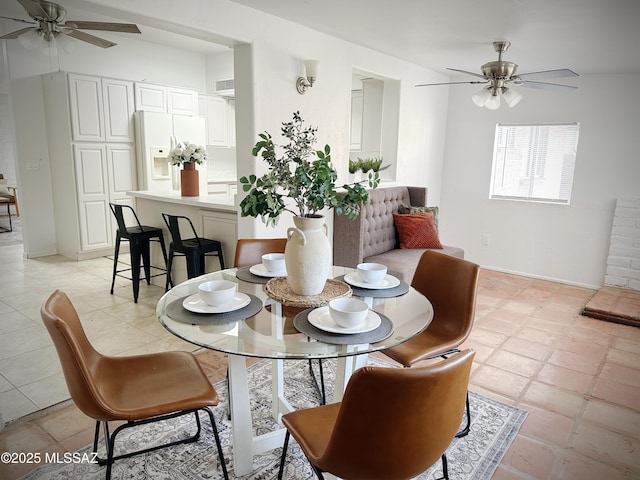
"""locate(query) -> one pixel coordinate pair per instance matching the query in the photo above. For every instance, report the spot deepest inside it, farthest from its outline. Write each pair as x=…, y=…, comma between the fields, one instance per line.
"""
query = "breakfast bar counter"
x=214, y=216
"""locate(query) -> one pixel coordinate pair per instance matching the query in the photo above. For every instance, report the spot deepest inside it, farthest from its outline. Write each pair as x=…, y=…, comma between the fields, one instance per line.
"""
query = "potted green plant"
x=368, y=165
x=301, y=181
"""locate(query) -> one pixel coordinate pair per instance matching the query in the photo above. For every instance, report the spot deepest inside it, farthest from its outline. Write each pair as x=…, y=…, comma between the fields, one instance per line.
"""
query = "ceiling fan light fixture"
x=511, y=96
x=493, y=102
x=480, y=98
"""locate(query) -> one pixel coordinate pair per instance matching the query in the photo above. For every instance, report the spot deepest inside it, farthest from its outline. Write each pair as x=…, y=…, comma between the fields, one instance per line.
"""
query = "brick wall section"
x=623, y=263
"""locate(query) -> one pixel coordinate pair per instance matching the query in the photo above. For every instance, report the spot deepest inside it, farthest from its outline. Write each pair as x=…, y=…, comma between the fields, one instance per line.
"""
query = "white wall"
x=566, y=243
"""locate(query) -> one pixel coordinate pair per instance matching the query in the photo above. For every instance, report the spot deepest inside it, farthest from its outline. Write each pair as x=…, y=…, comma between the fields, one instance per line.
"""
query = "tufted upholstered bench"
x=372, y=237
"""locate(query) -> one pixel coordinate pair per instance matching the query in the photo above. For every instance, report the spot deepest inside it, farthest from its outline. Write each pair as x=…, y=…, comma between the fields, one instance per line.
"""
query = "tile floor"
x=579, y=378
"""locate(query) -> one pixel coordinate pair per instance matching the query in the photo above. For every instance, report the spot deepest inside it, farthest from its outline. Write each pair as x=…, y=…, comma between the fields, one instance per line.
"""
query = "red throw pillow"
x=417, y=230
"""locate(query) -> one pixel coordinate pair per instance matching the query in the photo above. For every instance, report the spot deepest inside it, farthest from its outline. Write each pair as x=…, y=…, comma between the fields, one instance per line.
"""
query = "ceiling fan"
x=50, y=24
x=500, y=75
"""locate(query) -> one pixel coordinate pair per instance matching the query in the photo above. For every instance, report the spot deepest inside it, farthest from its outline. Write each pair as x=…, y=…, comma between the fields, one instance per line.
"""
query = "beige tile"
x=584, y=363
x=613, y=417
x=31, y=366
x=624, y=357
x=531, y=457
x=14, y=404
x=608, y=447
x=545, y=426
x=500, y=381
x=553, y=399
x=23, y=341
x=565, y=378
x=579, y=467
x=527, y=348
x=619, y=393
x=47, y=391
x=514, y=363
x=487, y=337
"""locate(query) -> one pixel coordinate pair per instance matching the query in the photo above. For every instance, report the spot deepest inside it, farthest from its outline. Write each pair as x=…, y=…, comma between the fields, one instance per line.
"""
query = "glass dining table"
x=270, y=328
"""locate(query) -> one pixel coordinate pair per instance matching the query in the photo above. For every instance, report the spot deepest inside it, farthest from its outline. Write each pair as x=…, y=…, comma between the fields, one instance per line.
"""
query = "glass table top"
x=270, y=333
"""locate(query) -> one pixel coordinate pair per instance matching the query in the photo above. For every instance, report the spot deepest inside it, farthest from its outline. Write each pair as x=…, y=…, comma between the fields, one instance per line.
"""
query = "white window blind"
x=534, y=162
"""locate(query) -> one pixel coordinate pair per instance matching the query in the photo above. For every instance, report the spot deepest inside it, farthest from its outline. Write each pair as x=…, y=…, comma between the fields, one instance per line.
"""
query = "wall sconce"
x=311, y=72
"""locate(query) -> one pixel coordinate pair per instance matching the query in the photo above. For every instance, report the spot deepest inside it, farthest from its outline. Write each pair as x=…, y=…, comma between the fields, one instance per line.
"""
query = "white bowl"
x=274, y=262
x=348, y=312
x=372, y=272
x=217, y=292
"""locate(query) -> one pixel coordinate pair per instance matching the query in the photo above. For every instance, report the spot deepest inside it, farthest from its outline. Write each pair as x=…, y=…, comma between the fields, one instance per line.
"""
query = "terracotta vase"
x=189, y=181
x=308, y=255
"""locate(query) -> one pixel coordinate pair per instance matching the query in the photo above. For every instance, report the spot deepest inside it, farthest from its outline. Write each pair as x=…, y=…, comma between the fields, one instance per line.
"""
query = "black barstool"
x=139, y=237
x=195, y=249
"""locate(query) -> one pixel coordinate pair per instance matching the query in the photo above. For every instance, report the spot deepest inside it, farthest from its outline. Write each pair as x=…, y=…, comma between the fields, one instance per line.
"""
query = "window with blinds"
x=534, y=163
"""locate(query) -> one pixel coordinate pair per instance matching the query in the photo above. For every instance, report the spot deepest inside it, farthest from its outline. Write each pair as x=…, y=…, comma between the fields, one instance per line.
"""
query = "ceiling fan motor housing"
x=499, y=69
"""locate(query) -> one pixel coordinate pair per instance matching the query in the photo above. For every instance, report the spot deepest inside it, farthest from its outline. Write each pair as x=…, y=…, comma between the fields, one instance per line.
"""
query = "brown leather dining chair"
x=392, y=423
x=450, y=284
x=249, y=251
x=136, y=389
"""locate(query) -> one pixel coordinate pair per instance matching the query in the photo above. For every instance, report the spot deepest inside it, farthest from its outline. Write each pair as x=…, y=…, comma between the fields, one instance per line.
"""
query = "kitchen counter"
x=214, y=216
x=218, y=202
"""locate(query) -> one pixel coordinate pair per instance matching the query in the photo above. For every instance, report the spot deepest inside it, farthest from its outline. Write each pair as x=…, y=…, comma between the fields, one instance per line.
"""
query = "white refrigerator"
x=155, y=133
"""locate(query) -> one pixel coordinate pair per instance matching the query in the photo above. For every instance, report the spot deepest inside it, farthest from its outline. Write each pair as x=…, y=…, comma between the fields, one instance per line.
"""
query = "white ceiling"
x=586, y=36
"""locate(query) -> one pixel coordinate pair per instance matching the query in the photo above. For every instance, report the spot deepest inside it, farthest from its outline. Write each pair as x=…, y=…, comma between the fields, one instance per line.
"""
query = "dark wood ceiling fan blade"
x=554, y=87
x=466, y=72
x=560, y=73
x=34, y=9
x=92, y=39
x=448, y=83
x=16, y=34
x=104, y=26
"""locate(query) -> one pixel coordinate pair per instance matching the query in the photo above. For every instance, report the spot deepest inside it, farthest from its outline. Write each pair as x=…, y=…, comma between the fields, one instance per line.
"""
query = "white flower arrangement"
x=185, y=152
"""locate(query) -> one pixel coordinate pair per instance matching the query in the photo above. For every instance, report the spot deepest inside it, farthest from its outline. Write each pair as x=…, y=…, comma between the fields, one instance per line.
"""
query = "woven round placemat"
x=302, y=324
x=396, y=291
x=176, y=311
x=280, y=290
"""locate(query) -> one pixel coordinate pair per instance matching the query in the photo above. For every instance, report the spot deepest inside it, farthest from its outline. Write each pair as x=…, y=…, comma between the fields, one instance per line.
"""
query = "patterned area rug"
x=475, y=457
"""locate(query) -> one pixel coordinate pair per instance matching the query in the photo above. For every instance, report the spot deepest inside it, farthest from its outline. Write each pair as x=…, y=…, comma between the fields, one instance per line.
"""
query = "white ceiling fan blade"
x=561, y=73
x=104, y=26
x=17, y=33
x=466, y=72
x=448, y=83
x=554, y=87
x=92, y=39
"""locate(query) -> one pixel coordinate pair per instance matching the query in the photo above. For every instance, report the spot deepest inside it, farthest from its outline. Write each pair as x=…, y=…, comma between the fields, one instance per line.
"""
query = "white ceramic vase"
x=308, y=255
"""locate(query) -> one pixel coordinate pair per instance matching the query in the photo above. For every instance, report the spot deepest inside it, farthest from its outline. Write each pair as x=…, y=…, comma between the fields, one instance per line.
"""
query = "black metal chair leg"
x=115, y=262
x=465, y=431
x=284, y=455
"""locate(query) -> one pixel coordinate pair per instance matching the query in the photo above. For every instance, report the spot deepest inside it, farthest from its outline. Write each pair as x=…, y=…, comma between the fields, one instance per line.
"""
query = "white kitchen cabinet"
x=87, y=175
x=216, y=114
x=182, y=101
x=151, y=98
x=93, y=195
x=87, y=118
x=119, y=106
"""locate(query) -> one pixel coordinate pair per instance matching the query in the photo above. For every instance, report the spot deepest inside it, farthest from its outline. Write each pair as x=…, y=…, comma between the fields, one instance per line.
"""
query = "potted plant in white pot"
x=301, y=181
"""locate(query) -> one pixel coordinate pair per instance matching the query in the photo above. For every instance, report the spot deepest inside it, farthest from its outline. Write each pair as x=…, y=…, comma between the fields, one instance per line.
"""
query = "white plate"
x=261, y=271
x=194, y=303
x=354, y=279
x=321, y=318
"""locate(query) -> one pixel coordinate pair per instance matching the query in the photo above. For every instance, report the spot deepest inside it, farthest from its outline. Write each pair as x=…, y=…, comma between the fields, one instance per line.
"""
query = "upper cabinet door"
x=118, y=109
x=182, y=101
x=152, y=98
x=217, y=121
x=85, y=96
